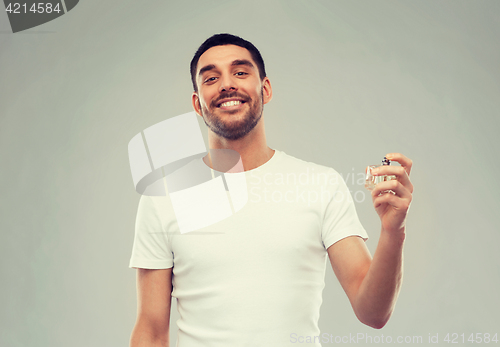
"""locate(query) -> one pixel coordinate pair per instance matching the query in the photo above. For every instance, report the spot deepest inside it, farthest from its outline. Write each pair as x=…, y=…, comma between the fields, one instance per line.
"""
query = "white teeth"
x=231, y=103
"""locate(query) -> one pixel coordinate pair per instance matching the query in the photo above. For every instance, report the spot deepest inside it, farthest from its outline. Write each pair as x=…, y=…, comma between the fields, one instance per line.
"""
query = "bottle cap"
x=386, y=161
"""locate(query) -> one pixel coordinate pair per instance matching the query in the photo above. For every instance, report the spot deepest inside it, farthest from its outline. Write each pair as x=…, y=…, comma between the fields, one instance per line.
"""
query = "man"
x=255, y=279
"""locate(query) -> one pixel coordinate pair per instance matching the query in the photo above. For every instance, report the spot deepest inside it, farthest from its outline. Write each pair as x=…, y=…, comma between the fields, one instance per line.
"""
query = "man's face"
x=231, y=95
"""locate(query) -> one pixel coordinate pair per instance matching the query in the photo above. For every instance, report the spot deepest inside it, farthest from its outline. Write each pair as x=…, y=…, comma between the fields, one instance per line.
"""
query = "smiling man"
x=256, y=278
x=230, y=90
x=234, y=113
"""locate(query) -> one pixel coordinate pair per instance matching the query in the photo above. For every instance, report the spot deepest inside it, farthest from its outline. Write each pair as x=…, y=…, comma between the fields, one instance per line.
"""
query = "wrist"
x=396, y=236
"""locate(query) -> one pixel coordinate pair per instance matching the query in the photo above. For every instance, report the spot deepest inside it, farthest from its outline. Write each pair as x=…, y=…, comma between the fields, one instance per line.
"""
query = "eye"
x=241, y=73
x=211, y=79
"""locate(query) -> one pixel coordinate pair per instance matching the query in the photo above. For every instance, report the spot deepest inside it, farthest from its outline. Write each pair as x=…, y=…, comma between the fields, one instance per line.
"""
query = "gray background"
x=352, y=81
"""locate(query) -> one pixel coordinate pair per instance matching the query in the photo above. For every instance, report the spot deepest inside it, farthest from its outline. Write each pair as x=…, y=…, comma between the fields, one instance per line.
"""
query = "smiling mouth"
x=231, y=103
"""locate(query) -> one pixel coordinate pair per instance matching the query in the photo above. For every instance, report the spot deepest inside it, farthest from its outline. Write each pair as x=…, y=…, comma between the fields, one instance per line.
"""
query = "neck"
x=252, y=148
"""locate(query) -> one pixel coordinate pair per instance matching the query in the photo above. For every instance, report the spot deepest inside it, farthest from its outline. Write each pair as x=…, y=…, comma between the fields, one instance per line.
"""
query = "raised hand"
x=392, y=207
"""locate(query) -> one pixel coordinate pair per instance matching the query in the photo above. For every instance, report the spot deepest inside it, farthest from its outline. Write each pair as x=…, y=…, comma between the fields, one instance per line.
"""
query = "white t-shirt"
x=255, y=278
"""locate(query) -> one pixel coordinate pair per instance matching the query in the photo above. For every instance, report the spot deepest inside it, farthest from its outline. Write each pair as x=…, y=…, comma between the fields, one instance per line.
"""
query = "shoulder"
x=155, y=207
x=152, y=202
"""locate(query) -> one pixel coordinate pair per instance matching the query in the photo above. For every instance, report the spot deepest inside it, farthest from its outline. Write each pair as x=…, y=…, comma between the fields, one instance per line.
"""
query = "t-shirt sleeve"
x=340, y=217
x=151, y=249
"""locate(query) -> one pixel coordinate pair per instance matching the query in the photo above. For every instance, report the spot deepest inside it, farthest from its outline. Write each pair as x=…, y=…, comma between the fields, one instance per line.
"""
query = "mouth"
x=230, y=104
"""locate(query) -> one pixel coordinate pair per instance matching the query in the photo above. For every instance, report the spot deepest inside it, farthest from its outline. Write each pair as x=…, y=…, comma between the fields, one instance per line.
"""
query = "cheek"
x=206, y=99
x=257, y=91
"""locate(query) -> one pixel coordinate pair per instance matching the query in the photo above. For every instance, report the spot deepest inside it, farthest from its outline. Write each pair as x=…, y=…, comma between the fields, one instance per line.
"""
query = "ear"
x=196, y=103
x=267, y=90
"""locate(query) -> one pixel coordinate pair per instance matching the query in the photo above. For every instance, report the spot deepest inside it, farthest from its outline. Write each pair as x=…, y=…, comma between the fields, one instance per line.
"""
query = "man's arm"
x=372, y=285
x=154, y=293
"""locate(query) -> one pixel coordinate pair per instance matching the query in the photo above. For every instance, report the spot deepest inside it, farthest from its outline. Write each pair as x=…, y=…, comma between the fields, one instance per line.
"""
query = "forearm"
x=379, y=290
x=143, y=336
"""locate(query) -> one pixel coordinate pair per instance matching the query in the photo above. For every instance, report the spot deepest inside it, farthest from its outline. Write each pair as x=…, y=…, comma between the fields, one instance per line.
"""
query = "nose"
x=227, y=83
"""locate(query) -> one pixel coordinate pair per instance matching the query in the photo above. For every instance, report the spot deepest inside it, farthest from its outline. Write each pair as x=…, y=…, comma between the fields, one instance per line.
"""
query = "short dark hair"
x=226, y=39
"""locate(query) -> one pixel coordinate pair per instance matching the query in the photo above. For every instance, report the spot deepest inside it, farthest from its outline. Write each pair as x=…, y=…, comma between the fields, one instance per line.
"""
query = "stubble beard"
x=231, y=129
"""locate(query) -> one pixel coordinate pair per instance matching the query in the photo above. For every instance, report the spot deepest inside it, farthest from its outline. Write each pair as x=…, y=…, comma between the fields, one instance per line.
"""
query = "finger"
x=401, y=159
x=393, y=185
x=398, y=171
x=393, y=200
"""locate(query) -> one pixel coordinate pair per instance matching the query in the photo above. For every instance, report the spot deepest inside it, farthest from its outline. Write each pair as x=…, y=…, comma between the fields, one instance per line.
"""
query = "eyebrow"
x=236, y=62
x=242, y=62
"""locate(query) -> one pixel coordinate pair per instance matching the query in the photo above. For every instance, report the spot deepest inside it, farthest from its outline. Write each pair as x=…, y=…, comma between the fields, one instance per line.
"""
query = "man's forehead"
x=226, y=54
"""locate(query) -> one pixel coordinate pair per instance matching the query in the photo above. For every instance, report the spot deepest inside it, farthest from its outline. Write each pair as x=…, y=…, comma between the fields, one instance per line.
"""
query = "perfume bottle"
x=371, y=180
